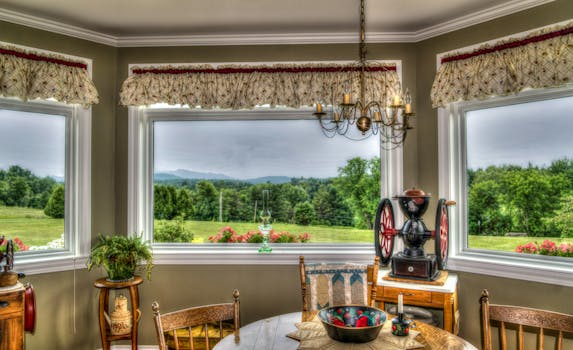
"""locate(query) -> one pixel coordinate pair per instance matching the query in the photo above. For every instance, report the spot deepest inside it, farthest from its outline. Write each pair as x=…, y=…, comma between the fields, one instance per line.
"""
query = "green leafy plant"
x=121, y=256
x=172, y=231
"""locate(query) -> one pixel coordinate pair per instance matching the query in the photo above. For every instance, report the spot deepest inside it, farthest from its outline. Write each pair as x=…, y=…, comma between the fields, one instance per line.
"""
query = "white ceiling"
x=124, y=19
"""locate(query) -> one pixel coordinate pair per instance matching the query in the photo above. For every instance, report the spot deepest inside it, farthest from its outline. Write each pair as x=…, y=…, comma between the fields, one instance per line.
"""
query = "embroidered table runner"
x=313, y=336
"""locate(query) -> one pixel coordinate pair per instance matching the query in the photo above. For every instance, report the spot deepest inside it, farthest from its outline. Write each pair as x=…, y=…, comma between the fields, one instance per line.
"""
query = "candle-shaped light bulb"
x=336, y=117
x=319, y=106
x=346, y=96
x=400, y=304
x=407, y=102
x=407, y=96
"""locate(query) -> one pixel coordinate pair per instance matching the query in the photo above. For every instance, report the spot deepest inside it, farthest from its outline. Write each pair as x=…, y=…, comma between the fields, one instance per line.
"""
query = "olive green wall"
x=68, y=319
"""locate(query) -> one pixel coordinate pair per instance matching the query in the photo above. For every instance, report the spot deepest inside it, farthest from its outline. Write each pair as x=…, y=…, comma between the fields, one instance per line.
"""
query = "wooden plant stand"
x=104, y=287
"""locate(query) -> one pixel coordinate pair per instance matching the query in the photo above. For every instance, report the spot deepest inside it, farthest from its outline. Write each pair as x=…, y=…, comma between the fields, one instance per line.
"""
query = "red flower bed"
x=18, y=245
x=546, y=248
x=228, y=235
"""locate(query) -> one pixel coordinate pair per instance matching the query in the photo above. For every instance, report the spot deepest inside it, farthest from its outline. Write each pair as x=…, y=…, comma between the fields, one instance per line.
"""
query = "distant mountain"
x=188, y=174
x=165, y=176
x=271, y=179
x=56, y=178
x=183, y=174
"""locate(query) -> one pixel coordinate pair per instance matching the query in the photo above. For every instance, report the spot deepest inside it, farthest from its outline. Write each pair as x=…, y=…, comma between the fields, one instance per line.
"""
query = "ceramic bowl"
x=352, y=323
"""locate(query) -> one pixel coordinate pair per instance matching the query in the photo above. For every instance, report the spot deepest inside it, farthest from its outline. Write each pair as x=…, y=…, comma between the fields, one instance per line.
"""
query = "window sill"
x=247, y=254
x=47, y=264
x=534, y=270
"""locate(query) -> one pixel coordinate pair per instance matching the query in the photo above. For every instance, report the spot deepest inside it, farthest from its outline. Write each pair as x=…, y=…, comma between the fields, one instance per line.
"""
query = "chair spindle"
x=502, y=335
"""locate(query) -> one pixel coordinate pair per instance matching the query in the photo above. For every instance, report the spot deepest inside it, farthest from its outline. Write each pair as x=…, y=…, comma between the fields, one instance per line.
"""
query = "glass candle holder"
x=401, y=326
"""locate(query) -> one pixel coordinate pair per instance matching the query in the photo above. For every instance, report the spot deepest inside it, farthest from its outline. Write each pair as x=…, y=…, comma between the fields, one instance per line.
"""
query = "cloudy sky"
x=249, y=149
x=516, y=135
x=33, y=141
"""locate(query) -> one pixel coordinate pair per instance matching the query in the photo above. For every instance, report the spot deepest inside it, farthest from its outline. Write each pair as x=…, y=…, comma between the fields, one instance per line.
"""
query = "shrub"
x=304, y=213
x=56, y=204
x=173, y=232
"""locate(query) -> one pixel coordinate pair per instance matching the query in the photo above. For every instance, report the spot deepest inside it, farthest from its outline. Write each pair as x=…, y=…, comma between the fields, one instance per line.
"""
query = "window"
x=197, y=180
x=508, y=162
x=44, y=187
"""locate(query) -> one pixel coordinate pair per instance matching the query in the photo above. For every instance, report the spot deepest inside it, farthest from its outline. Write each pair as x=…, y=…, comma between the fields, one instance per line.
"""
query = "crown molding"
x=261, y=39
x=56, y=27
x=478, y=17
x=269, y=39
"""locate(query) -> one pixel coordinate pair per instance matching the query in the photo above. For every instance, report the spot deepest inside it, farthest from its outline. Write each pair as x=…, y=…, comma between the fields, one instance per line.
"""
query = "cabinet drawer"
x=410, y=296
x=11, y=303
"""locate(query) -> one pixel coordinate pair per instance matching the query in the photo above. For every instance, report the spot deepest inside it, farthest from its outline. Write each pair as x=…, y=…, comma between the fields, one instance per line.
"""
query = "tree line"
x=350, y=199
x=347, y=200
x=534, y=200
x=19, y=187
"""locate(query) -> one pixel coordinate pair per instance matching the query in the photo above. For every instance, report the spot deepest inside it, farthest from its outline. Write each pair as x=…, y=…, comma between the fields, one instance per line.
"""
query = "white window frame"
x=78, y=180
x=453, y=184
x=140, y=211
x=77, y=230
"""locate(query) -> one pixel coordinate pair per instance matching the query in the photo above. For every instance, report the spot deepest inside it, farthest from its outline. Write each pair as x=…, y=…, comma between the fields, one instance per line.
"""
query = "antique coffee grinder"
x=413, y=262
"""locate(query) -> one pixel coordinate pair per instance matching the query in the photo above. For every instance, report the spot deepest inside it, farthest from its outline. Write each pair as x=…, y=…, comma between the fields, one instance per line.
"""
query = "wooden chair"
x=508, y=315
x=183, y=324
x=371, y=274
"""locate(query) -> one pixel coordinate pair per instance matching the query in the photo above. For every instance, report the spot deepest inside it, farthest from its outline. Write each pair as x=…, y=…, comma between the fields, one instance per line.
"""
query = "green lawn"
x=32, y=226
x=204, y=229
x=35, y=228
x=509, y=243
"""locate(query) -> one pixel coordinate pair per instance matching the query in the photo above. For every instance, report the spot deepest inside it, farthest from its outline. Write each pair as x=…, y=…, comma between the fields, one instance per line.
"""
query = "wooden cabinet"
x=12, y=317
x=444, y=297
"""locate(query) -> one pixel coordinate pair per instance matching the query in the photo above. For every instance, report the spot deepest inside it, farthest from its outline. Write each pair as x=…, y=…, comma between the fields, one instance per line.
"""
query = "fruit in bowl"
x=352, y=323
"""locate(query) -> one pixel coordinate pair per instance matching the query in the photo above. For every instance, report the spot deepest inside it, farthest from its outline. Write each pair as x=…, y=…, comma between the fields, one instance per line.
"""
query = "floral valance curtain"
x=31, y=75
x=542, y=59
x=244, y=87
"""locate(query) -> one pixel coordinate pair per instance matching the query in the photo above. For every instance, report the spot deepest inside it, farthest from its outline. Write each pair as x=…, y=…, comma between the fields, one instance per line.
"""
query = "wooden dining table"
x=271, y=334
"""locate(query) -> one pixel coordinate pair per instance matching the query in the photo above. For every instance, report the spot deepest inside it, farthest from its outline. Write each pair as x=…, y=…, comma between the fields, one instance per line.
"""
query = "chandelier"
x=359, y=119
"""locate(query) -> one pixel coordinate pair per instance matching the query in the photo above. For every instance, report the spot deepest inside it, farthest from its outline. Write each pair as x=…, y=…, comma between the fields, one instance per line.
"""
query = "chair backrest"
x=508, y=315
x=173, y=323
x=324, y=285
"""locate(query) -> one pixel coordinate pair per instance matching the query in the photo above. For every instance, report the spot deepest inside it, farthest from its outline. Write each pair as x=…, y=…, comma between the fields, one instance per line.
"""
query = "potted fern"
x=121, y=256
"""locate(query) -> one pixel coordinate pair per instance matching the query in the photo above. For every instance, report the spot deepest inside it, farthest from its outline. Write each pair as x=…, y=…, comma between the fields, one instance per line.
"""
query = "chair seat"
x=198, y=336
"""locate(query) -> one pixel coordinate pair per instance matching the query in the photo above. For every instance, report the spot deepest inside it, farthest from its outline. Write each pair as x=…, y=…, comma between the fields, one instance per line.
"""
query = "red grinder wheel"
x=384, y=231
x=442, y=233
x=29, y=309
